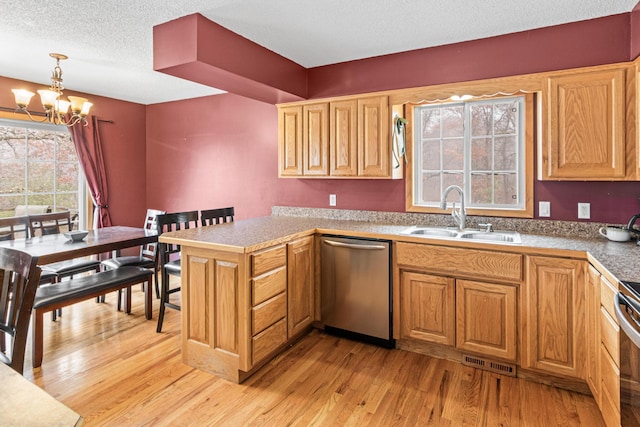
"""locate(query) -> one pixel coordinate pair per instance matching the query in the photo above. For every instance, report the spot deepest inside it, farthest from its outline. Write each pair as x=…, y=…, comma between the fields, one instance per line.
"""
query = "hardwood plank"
x=114, y=369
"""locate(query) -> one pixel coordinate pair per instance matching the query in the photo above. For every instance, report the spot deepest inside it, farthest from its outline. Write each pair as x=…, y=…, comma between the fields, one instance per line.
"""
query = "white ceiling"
x=110, y=44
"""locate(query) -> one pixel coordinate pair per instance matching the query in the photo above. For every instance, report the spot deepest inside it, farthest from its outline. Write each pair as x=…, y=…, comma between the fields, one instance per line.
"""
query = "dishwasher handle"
x=625, y=324
x=354, y=245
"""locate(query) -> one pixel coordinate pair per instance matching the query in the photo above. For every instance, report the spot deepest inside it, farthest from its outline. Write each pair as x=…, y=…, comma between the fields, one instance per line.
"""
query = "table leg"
x=148, y=303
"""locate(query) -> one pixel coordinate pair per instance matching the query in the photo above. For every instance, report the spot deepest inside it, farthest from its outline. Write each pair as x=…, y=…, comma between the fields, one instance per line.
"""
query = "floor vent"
x=489, y=365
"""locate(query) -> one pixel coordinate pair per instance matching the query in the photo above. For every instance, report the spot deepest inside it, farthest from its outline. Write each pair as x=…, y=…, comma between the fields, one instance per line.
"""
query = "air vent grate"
x=489, y=365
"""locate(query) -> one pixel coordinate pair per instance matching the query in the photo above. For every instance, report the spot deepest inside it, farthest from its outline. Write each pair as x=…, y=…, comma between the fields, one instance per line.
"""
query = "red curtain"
x=89, y=148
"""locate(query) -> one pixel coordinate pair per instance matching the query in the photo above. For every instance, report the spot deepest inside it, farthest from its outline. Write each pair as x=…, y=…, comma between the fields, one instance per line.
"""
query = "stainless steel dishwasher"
x=356, y=291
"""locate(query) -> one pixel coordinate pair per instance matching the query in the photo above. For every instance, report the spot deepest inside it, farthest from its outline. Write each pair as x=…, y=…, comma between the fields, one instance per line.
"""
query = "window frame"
x=528, y=161
x=83, y=195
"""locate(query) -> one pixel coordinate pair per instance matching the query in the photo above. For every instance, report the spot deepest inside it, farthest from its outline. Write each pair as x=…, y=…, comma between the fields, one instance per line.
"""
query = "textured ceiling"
x=110, y=45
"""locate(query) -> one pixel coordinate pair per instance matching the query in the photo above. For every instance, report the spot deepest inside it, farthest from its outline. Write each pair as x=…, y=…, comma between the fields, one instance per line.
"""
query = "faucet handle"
x=488, y=227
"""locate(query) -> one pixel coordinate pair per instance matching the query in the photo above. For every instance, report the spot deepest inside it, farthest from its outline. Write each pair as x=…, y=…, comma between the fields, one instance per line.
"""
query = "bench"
x=62, y=294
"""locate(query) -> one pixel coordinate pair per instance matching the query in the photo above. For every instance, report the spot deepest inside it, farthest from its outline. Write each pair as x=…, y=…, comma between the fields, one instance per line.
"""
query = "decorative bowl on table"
x=76, y=236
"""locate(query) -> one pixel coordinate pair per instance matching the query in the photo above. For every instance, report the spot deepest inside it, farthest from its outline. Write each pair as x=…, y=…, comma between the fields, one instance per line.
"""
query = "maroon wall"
x=222, y=150
x=123, y=149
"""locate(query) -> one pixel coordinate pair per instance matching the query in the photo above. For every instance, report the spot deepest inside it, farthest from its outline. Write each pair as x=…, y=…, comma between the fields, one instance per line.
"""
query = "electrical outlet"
x=332, y=200
x=584, y=210
x=544, y=209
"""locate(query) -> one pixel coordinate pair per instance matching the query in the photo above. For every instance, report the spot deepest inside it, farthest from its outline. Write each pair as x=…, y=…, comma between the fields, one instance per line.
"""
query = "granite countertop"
x=620, y=260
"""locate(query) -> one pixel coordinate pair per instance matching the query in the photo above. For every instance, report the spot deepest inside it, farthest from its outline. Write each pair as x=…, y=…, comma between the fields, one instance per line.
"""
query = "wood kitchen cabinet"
x=584, y=133
x=594, y=371
x=452, y=296
x=486, y=318
x=553, y=309
x=427, y=308
x=301, y=284
x=337, y=138
x=240, y=309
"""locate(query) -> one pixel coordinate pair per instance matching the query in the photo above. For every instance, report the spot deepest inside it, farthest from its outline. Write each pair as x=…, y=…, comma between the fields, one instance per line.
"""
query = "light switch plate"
x=544, y=209
x=332, y=200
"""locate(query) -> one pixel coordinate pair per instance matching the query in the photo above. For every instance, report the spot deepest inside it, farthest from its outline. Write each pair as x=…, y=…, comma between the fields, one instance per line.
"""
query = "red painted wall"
x=222, y=150
x=123, y=149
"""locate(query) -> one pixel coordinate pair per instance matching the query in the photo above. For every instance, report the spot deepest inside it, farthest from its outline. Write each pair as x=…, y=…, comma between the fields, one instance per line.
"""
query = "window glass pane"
x=430, y=187
x=12, y=143
x=8, y=204
x=505, y=118
x=481, y=120
x=40, y=177
x=431, y=155
x=66, y=151
x=506, y=185
x=506, y=153
x=453, y=121
x=40, y=199
x=41, y=144
x=67, y=201
x=453, y=154
x=67, y=177
x=12, y=177
x=481, y=149
x=481, y=189
x=430, y=119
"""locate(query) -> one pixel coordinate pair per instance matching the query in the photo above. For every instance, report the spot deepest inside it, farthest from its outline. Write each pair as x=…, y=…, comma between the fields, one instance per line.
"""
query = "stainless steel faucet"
x=459, y=217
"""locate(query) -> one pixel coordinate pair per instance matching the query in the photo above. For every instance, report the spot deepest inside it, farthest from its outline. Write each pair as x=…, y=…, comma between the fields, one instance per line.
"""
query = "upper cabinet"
x=340, y=138
x=583, y=122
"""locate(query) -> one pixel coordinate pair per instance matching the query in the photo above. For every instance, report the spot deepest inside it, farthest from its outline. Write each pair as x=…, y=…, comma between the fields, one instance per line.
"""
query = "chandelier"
x=56, y=109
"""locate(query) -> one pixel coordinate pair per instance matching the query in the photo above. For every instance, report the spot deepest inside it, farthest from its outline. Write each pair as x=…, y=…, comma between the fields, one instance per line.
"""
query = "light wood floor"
x=115, y=370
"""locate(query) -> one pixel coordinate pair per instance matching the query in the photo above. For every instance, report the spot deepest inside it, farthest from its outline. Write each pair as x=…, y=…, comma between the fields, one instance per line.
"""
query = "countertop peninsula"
x=619, y=260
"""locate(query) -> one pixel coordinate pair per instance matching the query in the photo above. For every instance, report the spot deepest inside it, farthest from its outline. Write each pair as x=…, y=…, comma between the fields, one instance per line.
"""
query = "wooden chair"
x=169, y=266
x=216, y=216
x=19, y=277
x=13, y=226
x=147, y=257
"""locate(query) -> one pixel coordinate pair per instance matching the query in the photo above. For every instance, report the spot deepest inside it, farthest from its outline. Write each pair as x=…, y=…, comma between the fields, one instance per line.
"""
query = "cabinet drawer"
x=268, y=259
x=610, y=335
x=461, y=262
x=269, y=339
x=607, y=295
x=610, y=392
x=268, y=285
x=268, y=313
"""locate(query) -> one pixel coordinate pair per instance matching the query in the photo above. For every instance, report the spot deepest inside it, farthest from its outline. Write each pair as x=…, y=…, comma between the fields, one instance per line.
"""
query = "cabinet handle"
x=625, y=324
x=354, y=246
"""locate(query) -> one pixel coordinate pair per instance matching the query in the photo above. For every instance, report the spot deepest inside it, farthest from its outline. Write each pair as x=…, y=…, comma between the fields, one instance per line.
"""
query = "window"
x=39, y=169
x=480, y=146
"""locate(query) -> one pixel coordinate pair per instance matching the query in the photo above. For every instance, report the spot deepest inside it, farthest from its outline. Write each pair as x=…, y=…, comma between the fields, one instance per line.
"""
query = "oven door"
x=628, y=314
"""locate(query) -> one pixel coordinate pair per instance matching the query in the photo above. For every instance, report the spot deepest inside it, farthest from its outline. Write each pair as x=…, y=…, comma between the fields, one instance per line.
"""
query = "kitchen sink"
x=451, y=233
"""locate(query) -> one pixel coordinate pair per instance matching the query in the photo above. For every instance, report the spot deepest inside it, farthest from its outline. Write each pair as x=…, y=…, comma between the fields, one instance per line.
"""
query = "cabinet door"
x=427, y=308
x=593, y=333
x=585, y=126
x=300, y=286
x=374, y=145
x=316, y=139
x=486, y=318
x=290, y=141
x=343, y=138
x=554, y=317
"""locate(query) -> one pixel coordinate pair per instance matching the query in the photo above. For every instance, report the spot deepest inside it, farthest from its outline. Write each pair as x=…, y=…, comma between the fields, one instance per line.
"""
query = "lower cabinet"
x=553, y=310
x=240, y=309
x=486, y=318
x=301, y=289
x=427, y=308
x=473, y=316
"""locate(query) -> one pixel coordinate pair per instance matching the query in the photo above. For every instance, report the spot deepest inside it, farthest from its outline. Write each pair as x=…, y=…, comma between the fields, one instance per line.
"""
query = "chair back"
x=13, y=227
x=50, y=223
x=19, y=277
x=217, y=216
x=150, y=223
x=174, y=222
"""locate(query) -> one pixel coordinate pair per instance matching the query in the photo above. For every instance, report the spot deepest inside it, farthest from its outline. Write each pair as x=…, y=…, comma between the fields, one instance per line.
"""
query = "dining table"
x=52, y=248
